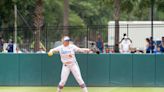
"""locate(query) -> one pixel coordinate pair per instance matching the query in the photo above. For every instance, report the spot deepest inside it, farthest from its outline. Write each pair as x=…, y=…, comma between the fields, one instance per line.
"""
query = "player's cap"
x=66, y=38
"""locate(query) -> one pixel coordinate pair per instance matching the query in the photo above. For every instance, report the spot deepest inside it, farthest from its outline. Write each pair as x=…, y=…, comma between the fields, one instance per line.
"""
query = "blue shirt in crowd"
x=10, y=47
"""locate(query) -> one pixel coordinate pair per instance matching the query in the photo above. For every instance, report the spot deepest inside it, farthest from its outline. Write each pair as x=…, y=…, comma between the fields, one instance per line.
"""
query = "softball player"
x=67, y=54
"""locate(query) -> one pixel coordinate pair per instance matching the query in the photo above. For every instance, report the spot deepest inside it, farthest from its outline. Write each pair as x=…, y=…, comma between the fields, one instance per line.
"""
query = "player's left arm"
x=83, y=50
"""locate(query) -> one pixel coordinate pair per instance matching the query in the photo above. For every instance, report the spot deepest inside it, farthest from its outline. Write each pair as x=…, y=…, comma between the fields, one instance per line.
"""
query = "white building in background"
x=137, y=31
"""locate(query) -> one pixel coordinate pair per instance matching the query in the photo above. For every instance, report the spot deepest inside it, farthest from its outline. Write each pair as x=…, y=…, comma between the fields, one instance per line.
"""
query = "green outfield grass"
x=77, y=89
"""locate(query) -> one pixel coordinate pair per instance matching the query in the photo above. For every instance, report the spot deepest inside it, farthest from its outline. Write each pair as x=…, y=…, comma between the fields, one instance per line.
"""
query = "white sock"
x=58, y=89
x=85, y=89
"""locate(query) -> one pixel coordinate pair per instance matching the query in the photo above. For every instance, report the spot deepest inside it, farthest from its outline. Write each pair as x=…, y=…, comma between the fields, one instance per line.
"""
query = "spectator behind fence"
x=1, y=44
x=93, y=47
x=41, y=50
x=148, y=48
x=125, y=45
x=10, y=46
x=99, y=43
x=18, y=50
x=162, y=45
x=158, y=50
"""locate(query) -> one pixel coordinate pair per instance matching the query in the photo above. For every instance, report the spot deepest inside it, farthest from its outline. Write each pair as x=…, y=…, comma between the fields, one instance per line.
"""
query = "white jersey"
x=126, y=45
x=67, y=53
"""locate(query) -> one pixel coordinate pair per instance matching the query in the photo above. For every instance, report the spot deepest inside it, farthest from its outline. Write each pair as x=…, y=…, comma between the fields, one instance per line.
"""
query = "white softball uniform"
x=125, y=46
x=70, y=64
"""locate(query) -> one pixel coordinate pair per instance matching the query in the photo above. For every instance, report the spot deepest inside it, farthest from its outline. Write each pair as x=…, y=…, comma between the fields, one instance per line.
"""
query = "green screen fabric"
x=30, y=69
x=159, y=70
x=98, y=70
x=143, y=70
x=121, y=70
x=9, y=69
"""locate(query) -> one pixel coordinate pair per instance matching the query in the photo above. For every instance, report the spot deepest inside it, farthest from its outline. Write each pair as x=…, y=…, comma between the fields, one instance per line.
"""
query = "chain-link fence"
x=85, y=36
x=50, y=36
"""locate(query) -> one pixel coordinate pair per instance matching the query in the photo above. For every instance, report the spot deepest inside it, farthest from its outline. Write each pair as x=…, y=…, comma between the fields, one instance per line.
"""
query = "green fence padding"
x=143, y=70
x=9, y=69
x=159, y=70
x=121, y=70
x=82, y=62
x=98, y=69
x=30, y=69
x=51, y=68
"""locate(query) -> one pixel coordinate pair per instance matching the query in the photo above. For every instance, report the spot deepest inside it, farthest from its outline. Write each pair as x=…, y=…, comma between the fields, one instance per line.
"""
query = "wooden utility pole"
x=117, y=18
x=66, y=16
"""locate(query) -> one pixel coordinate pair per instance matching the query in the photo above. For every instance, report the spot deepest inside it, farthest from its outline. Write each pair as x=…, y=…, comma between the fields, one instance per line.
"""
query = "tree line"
x=38, y=13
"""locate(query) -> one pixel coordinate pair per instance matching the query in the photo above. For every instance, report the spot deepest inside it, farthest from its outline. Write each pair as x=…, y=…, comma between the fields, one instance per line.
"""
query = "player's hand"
x=50, y=54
